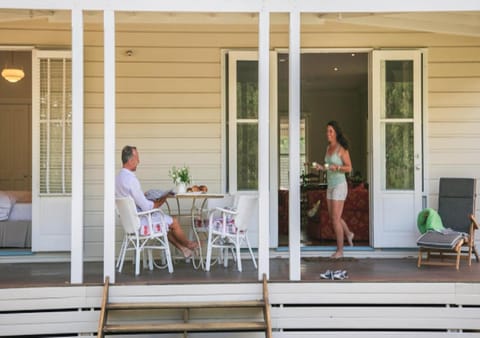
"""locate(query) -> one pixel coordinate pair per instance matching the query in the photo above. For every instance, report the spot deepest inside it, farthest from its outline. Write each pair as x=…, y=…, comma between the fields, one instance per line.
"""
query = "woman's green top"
x=334, y=178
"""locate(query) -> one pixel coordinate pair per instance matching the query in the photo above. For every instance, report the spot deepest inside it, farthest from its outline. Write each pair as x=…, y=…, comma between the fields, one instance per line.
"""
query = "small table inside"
x=198, y=203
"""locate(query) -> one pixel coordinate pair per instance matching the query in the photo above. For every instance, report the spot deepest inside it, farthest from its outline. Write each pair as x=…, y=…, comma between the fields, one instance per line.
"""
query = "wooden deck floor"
x=359, y=270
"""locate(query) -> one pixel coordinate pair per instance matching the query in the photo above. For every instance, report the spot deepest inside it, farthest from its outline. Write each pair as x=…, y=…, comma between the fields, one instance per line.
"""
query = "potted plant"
x=181, y=177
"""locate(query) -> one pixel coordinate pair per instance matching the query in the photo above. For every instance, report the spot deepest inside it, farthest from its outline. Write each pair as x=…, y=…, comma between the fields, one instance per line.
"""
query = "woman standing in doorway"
x=337, y=163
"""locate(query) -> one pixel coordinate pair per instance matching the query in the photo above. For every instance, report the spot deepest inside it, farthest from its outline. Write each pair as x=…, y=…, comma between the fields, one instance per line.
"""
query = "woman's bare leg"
x=348, y=233
x=335, y=209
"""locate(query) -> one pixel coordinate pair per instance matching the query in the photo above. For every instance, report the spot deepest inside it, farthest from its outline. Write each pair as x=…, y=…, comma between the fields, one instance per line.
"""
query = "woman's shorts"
x=338, y=192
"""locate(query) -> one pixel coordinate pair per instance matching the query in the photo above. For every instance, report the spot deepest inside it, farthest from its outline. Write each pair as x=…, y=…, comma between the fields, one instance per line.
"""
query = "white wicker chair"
x=138, y=238
x=228, y=228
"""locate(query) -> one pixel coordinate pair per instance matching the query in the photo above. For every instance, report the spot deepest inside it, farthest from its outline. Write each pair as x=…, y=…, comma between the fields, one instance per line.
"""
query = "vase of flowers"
x=180, y=177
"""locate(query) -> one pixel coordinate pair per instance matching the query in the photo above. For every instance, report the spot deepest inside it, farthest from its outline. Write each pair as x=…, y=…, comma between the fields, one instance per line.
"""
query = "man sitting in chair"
x=127, y=184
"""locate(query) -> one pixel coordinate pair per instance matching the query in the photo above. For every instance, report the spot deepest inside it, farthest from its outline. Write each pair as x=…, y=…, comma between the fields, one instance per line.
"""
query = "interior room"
x=16, y=136
x=334, y=86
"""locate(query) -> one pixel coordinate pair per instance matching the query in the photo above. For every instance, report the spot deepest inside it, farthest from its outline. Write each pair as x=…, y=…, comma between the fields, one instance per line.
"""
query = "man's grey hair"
x=127, y=153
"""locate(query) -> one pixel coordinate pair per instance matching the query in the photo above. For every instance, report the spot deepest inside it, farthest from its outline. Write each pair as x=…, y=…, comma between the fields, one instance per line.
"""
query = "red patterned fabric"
x=283, y=212
x=229, y=227
x=145, y=229
x=355, y=214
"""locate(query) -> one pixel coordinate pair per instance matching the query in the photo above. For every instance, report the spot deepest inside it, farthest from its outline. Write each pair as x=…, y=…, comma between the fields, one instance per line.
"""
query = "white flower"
x=180, y=175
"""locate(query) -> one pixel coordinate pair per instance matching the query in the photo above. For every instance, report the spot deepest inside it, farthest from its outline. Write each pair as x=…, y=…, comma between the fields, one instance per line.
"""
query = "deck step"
x=189, y=327
x=185, y=324
x=184, y=305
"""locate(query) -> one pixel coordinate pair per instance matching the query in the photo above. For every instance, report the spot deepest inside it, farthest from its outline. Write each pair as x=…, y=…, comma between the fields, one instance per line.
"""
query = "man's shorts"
x=338, y=193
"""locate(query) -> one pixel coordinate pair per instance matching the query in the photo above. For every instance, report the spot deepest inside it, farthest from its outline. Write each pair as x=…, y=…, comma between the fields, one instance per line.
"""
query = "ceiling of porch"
x=457, y=23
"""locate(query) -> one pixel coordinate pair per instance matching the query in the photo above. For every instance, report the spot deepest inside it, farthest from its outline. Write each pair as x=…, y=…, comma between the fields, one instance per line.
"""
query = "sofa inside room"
x=316, y=224
x=355, y=214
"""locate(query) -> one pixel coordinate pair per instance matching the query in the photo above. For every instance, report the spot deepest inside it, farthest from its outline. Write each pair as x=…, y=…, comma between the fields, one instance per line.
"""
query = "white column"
x=294, y=146
x=76, y=256
x=263, y=143
x=109, y=146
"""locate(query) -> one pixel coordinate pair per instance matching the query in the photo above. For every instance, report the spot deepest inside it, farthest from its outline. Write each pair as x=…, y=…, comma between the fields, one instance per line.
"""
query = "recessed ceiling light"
x=336, y=69
x=353, y=54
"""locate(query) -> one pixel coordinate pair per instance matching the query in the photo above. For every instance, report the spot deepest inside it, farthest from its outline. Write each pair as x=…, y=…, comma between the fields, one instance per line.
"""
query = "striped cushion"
x=446, y=239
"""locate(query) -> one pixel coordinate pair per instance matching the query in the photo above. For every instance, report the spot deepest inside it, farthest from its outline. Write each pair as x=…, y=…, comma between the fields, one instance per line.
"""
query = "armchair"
x=228, y=228
x=139, y=237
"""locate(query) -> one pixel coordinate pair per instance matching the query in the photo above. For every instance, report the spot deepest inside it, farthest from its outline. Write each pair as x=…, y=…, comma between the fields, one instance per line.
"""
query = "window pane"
x=399, y=89
x=247, y=89
x=44, y=94
x=43, y=158
x=56, y=159
x=68, y=157
x=247, y=157
x=55, y=126
x=284, y=165
x=399, y=156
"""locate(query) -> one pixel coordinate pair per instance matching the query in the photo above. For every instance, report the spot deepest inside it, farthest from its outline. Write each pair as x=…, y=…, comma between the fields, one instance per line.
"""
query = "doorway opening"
x=334, y=86
x=16, y=168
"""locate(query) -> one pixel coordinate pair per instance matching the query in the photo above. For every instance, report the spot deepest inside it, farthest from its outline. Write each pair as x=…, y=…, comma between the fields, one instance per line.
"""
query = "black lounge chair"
x=456, y=207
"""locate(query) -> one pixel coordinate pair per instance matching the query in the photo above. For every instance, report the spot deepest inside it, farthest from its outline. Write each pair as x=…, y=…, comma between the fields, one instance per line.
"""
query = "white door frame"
x=233, y=57
x=393, y=212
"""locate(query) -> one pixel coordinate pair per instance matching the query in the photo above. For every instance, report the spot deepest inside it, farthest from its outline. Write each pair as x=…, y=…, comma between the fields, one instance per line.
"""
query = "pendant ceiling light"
x=12, y=73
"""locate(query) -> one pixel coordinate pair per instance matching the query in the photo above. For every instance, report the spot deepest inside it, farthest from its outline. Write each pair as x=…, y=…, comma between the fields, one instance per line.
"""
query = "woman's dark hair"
x=341, y=138
x=127, y=153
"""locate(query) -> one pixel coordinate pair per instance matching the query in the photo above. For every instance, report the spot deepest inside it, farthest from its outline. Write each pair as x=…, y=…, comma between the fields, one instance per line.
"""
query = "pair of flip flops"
x=334, y=275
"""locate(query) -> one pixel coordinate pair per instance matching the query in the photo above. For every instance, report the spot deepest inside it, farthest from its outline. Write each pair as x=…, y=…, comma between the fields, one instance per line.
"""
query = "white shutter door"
x=51, y=188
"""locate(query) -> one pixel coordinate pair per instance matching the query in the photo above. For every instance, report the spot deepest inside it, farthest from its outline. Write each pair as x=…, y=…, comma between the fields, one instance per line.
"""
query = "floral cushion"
x=145, y=229
x=229, y=227
x=283, y=212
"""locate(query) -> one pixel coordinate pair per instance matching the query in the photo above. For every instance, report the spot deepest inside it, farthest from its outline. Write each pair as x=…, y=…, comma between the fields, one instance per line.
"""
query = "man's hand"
x=159, y=202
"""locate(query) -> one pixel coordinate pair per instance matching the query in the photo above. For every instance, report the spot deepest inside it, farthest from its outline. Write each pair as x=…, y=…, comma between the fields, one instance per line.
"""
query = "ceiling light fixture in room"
x=12, y=73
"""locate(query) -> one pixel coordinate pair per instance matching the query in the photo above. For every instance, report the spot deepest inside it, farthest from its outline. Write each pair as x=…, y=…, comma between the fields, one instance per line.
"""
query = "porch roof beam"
x=328, y=6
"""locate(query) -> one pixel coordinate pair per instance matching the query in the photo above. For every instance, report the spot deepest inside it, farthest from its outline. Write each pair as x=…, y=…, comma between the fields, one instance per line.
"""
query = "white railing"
x=298, y=309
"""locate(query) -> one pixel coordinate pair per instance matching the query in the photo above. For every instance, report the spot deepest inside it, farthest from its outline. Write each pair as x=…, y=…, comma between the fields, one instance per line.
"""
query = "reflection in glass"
x=247, y=90
x=399, y=157
x=399, y=89
x=247, y=157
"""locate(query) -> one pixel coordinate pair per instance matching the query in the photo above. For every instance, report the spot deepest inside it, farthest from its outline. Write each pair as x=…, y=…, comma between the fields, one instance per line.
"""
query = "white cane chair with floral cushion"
x=140, y=236
x=228, y=230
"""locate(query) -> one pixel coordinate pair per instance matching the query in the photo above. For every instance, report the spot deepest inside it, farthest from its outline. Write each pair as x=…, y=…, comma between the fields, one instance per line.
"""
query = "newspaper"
x=156, y=194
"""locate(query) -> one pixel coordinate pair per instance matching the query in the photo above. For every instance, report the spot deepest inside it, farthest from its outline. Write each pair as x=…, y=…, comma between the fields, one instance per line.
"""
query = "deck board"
x=359, y=270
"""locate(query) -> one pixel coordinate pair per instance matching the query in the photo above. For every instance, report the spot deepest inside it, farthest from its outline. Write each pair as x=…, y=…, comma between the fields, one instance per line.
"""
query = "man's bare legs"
x=335, y=209
x=177, y=237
